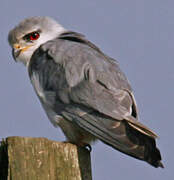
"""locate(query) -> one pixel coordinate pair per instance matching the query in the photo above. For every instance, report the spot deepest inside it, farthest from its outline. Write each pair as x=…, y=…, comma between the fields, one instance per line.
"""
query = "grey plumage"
x=84, y=92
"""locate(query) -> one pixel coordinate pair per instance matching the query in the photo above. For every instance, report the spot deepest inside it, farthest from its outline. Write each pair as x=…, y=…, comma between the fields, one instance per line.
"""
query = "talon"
x=88, y=147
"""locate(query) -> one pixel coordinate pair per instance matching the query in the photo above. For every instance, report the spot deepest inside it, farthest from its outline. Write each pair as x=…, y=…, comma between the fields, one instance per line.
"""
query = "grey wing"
x=109, y=93
x=96, y=82
x=87, y=80
x=93, y=93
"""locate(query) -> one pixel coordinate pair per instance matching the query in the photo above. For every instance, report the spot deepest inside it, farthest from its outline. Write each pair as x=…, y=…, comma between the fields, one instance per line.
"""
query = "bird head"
x=29, y=34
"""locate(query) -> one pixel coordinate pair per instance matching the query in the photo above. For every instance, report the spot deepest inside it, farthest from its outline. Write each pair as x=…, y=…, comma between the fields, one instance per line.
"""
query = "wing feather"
x=81, y=74
x=92, y=92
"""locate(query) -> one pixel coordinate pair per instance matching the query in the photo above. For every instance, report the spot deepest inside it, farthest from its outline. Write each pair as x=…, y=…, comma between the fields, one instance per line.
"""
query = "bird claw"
x=88, y=147
x=83, y=145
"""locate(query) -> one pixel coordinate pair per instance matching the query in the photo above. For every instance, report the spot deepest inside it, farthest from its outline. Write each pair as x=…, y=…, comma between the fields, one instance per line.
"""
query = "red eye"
x=32, y=36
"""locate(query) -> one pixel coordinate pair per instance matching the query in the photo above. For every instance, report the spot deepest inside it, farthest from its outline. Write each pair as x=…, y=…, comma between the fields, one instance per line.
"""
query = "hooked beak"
x=17, y=49
x=16, y=53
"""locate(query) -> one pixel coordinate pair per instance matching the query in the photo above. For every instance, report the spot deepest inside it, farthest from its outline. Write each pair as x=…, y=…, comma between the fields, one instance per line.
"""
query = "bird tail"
x=151, y=152
x=127, y=136
x=141, y=128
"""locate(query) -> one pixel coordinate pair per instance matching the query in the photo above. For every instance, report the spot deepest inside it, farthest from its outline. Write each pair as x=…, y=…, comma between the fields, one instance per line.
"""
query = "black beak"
x=16, y=53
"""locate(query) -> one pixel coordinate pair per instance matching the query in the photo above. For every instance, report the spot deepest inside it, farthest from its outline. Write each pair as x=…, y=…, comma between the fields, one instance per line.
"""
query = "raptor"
x=82, y=90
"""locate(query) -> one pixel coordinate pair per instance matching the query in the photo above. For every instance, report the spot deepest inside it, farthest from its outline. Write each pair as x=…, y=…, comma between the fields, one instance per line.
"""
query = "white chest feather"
x=38, y=87
x=47, y=99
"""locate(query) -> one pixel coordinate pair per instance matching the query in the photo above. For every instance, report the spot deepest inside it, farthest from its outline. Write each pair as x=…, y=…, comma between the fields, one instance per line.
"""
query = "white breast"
x=47, y=99
x=37, y=86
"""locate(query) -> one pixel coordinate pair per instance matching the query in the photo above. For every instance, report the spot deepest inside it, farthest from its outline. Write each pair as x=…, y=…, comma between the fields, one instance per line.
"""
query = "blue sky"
x=139, y=34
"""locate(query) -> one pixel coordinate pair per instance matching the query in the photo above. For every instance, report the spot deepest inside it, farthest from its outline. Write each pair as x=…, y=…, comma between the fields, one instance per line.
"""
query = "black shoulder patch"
x=80, y=38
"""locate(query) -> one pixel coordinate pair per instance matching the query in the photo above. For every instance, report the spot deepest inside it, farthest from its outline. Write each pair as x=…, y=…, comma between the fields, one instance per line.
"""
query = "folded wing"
x=96, y=95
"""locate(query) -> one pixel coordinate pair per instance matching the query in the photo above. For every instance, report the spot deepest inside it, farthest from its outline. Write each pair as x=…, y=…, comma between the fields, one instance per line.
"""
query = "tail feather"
x=151, y=153
x=124, y=136
x=141, y=127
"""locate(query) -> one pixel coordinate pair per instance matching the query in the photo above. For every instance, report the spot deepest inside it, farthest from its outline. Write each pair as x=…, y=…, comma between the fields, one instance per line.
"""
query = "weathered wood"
x=42, y=159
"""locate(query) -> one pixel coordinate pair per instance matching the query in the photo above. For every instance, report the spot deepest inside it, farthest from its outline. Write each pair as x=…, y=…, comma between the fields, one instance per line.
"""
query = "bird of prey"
x=82, y=90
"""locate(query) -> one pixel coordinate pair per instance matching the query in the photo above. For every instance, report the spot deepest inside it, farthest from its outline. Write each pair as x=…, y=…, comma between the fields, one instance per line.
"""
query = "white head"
x=26, y=37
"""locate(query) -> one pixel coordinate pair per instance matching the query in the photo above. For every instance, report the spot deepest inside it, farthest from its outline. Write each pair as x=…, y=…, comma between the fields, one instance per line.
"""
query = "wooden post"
x=43, y=159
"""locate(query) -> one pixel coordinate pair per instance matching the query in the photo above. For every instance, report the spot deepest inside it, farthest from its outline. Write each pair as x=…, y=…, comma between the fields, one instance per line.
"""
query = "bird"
x=82, y=90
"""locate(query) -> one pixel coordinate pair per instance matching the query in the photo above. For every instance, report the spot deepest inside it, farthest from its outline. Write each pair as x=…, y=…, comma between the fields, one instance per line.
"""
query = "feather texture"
x=92, y=95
